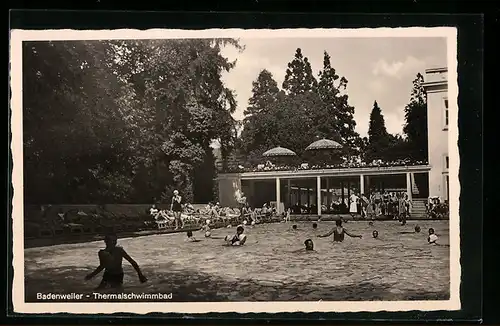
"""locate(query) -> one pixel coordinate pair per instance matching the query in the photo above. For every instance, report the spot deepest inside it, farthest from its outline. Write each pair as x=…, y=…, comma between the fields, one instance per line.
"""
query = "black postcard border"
x=470, y=75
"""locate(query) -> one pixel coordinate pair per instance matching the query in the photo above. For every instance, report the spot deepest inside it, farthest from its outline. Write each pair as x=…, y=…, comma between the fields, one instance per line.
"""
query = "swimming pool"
x=396, y=266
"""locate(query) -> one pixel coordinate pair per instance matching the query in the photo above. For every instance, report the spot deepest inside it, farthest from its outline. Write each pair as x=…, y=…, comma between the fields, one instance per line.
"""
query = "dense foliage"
x=124, y=121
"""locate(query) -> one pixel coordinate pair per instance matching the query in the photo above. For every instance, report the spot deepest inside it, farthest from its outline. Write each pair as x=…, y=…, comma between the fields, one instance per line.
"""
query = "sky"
x=377, y=69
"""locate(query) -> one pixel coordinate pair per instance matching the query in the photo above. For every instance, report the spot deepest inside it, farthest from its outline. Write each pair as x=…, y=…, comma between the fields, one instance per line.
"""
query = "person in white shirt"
x=432, y=237
x=238, y=239
x=353, y=205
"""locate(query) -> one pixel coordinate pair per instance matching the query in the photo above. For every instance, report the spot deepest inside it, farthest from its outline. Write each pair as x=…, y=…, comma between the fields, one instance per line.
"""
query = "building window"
x=446, y=114
x=447, y=162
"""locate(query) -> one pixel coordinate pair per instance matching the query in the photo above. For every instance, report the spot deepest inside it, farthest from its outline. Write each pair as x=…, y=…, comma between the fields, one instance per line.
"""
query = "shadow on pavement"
x=195, y=286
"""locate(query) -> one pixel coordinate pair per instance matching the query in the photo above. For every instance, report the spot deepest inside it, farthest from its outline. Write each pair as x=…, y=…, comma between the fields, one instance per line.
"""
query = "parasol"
x=323, y=144
x=325, y=151
x=279, y=151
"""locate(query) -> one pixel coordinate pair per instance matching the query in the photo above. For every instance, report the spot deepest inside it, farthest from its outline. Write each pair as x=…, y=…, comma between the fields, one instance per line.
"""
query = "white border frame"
x=19, y=304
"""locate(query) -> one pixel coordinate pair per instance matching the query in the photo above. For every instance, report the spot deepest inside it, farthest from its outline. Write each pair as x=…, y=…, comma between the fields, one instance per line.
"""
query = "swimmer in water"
x=294, y=227
x=190, y=237
x=432, y=237
x=238, y=239
x=417, y=230
x=370, y=223
x=309, y=245
x=110, y=260
x=315, y=226
x=375, y=234
x=338, y=233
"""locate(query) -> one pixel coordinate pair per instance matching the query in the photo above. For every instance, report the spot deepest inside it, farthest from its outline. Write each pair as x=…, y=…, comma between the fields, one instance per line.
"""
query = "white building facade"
x=436, y=86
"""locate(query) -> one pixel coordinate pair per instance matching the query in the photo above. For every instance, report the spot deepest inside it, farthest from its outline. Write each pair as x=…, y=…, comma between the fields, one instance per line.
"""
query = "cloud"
x=398, y=69
x=394, y=120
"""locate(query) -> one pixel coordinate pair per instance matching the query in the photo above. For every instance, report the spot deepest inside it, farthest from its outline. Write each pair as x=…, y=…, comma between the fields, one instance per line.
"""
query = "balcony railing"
x=305, y=166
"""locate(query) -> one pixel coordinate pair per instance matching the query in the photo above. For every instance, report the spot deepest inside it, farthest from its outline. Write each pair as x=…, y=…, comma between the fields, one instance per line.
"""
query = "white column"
x=289, y=193
x=328, y=197
x=361, y=185
x=318, y=194
x=408, y=186
x=278, y=195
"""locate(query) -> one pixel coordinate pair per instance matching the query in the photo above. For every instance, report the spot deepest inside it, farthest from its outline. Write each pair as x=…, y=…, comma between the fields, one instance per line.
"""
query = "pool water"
x=399, y=265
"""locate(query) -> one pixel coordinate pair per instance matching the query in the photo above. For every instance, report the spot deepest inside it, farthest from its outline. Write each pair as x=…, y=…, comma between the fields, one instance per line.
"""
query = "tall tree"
x=415, y=126
x=255, y=136
x=335, y=118
x=378, y=137
x=264, y=91
x=299, y=77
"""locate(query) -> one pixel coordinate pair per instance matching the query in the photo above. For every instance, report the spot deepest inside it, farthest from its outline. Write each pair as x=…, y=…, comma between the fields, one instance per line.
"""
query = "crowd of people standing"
x=376, y=204
x=396, y=205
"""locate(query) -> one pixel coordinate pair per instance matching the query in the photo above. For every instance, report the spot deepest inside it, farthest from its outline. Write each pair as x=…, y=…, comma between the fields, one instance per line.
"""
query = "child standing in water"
x=110, y=260
x=206, y=228
x=338, y=233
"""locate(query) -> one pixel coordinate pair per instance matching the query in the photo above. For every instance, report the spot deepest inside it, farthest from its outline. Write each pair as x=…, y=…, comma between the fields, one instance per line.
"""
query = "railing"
x=305, y=166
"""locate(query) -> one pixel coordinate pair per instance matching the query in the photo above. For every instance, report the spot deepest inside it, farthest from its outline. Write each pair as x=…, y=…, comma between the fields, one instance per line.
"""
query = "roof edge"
x=431, y=70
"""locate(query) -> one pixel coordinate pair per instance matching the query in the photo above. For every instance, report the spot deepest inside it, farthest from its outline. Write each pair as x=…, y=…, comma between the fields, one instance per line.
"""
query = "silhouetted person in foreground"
x=110, y=260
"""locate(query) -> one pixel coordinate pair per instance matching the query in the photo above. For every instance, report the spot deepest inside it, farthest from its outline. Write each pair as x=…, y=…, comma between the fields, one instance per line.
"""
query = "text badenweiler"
x=104, y=296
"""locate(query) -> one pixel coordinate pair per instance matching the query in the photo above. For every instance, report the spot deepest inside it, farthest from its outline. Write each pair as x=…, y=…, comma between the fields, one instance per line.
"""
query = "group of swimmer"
x=111, y=257
x=339, y=233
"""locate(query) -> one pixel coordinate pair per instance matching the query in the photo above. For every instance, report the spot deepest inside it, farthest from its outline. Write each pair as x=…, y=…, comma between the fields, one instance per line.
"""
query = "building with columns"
x=322, y=187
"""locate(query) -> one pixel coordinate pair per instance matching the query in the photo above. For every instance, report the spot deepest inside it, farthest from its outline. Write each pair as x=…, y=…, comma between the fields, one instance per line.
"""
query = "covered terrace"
x=319, y=189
